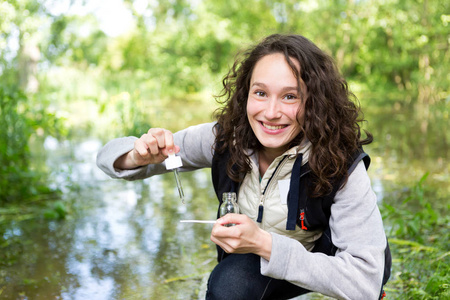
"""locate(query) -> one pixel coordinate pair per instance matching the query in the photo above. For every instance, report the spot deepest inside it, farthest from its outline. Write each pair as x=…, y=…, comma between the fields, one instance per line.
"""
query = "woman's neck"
x=266, y=157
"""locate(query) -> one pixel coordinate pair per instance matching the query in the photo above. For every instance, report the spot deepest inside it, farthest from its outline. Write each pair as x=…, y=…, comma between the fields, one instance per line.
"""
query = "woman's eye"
x=290, y=97
x=260, y=93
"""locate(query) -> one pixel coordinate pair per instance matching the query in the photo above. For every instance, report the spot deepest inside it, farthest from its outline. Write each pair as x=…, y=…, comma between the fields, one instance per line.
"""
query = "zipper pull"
x=260, y=210
x=302, y=219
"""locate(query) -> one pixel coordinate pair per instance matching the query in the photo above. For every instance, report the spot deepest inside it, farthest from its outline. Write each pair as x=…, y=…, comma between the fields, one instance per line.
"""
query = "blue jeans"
x=238, y=276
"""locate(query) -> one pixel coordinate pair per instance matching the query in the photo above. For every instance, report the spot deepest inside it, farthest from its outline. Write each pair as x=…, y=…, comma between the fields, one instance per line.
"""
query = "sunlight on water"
x=126, y=239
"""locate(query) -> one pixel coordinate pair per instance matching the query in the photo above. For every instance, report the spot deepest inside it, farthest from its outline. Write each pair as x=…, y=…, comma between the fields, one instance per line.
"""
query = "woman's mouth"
x=273, y=127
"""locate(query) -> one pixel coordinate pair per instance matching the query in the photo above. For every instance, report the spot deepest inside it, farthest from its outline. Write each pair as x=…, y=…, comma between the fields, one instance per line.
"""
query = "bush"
x=19, y=183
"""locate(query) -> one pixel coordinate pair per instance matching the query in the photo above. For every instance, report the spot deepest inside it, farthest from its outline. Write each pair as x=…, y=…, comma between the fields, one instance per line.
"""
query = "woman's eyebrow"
x=284, y=89
x=260, y=84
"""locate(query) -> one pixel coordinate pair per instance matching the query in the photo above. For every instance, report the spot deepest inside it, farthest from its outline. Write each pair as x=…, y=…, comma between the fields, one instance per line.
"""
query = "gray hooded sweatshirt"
x=355, y=272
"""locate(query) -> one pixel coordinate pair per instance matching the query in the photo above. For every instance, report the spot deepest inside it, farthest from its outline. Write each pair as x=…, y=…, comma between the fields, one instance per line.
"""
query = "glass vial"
x=229, y=205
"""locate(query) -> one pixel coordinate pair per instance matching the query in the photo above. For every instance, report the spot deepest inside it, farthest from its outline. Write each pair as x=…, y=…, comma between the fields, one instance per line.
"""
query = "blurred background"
x=77, y=73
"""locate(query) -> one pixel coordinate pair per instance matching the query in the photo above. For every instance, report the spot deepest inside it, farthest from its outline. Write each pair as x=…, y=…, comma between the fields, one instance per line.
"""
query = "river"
x=123, y=240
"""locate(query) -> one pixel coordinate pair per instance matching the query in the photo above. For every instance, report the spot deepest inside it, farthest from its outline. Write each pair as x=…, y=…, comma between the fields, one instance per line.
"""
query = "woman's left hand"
x=244, y=237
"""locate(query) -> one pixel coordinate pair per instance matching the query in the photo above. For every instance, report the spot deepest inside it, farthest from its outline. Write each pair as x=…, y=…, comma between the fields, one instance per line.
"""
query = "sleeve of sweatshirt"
x=195, y=150
x=356, y=271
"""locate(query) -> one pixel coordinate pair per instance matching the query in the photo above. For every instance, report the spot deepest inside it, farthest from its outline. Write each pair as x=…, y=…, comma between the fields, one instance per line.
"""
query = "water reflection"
x=123, y=240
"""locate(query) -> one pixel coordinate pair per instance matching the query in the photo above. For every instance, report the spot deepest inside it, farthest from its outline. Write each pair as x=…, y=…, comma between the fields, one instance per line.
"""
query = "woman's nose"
x=272, y=110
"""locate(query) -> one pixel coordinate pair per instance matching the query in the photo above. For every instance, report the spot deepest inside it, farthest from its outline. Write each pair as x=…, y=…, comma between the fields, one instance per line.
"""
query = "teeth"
x=272, y=127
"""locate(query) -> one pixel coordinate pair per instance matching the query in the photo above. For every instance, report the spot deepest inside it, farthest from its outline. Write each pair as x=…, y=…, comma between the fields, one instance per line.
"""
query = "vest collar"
x=303, y=148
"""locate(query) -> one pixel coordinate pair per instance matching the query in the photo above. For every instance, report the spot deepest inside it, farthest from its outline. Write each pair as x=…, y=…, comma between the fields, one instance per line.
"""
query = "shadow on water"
x=122, y=240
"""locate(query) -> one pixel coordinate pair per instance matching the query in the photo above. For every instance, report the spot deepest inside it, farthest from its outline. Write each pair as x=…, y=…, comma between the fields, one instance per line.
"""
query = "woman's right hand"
x=152, y=147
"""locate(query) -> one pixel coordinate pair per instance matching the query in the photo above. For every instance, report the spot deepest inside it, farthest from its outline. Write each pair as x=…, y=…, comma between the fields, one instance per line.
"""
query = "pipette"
x=199, y=221
x=173, y=163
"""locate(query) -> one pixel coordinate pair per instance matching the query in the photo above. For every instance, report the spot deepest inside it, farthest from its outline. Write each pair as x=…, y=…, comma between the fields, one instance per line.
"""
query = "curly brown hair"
x=331, y=118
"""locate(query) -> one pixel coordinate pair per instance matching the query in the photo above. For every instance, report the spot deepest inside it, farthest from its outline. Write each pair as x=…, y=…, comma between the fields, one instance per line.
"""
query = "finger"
x=215, y=240
x=219, y=231
x=176, y=148
x=229, y=245
x=141, y=148
x=160, y=136
x=151, y=143
x=224, y=232
x=232, y=218
x=168, y=139
x=221, y=242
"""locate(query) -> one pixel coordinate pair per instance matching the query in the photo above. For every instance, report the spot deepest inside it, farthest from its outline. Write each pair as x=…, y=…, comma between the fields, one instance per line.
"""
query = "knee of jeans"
x=229, y=283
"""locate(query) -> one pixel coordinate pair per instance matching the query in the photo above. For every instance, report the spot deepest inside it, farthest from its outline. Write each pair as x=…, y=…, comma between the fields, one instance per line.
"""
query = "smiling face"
x=274, y=106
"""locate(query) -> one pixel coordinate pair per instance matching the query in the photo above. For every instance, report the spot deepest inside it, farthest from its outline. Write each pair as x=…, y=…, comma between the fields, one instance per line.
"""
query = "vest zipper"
x=303, y=220
x=261, y=202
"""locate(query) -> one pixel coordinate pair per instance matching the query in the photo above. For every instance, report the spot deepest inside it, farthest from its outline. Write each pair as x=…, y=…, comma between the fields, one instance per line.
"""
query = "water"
x=123, y=240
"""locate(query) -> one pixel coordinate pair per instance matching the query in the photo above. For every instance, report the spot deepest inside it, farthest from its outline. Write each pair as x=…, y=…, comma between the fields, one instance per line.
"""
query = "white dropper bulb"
x=173, y=162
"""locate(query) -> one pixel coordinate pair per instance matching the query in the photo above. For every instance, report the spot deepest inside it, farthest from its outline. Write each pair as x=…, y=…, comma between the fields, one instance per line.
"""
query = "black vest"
x=314, y=212
x=306, y=212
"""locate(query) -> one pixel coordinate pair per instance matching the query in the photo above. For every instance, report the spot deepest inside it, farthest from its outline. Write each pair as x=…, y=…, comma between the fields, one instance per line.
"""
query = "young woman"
x=287, y=133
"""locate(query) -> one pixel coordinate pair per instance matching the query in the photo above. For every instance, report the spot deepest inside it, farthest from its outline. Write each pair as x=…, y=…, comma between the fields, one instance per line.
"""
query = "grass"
x=419, y=238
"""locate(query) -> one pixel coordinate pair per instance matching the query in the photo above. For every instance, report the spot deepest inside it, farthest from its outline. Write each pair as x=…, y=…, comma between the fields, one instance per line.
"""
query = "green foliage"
x=16, y=130
x=67, y=44
x=57, y=211
x=19, y=181
x=415, y=217
x=419, y=243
